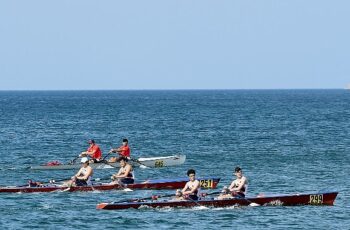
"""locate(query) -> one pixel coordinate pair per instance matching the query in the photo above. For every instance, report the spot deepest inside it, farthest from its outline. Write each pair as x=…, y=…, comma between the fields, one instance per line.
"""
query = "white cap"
x=84, y=160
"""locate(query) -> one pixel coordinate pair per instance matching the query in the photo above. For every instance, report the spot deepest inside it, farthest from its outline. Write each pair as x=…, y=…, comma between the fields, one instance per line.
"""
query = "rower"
x=238, y=187
x=123, y=151
x=83, y=176
x=93, y=151
x=191, y=189
x=125, y=174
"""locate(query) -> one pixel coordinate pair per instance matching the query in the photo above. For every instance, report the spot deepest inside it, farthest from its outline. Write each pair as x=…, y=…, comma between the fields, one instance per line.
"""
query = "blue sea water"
x=286, y=141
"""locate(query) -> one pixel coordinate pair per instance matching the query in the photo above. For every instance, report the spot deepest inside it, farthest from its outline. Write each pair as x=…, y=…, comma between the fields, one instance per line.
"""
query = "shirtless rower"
x=237, y=188
x=125, y=174
x=191, y=189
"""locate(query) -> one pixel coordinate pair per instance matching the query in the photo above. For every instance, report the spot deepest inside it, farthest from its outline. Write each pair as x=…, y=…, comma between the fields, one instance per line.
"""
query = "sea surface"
x=286, y=141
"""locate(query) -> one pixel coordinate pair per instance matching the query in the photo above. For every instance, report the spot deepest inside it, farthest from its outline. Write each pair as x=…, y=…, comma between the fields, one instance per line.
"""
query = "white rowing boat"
x=152, y=162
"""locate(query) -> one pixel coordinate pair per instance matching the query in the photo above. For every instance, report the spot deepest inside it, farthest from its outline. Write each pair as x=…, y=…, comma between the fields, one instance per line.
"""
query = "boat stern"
x=101, y=205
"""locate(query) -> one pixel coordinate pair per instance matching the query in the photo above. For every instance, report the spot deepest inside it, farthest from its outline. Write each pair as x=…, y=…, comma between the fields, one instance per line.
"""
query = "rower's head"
x=122, y=161
x=238, y=172
x=91, y=142
x=125, y=142
x=84, y=161
x=191, y=174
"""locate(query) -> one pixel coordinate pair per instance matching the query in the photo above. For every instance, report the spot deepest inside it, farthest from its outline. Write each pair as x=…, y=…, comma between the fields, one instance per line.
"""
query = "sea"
x=286, y=142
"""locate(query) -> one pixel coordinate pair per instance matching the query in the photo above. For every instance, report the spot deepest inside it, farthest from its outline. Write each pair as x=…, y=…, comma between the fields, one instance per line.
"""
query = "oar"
x=139, y=162
x=196, y=202
x=124, y=186
x=237, y=198
x=52, y=181
x=73, y=161
x=111, y=146
x=145, y=198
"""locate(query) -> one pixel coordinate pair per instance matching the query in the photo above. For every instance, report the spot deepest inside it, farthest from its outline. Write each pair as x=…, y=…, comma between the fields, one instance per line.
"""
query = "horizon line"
x=179, y=89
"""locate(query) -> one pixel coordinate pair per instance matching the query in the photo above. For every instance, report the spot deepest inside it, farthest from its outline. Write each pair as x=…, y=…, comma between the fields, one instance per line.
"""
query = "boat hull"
x=277, y=200
x=206, y=183
x=152, y=162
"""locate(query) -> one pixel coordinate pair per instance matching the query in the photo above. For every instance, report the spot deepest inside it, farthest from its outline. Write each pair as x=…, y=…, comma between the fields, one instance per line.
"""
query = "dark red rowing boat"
x=208, y=182
x=316, y=198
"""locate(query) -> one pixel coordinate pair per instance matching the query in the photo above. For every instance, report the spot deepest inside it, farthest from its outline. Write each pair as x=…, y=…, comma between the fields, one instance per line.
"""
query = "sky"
x=182, y=44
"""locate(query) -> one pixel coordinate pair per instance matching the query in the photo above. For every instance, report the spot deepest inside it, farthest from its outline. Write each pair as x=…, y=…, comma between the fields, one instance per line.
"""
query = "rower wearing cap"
x=84, y=175
x=238, y=187
x=93, y=151
x=123, y=151
x=191, y=189
x=125, y=174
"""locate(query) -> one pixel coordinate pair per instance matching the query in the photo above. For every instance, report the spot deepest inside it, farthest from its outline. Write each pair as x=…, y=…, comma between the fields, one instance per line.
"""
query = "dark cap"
x=91, y=141
x=237, y=169
x=125, y=140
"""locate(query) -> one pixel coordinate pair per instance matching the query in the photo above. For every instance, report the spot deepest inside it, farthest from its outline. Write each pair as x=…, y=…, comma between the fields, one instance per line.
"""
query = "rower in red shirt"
x=123, y=151
x=94, y=152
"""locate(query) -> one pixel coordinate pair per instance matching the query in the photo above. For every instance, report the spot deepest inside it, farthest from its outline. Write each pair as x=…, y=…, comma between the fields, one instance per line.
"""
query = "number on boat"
x=159, y=164
x=316, y=199
x=206, y=183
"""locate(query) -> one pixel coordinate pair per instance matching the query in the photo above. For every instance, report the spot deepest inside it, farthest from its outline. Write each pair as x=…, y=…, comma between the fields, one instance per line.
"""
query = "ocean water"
x=286, y=141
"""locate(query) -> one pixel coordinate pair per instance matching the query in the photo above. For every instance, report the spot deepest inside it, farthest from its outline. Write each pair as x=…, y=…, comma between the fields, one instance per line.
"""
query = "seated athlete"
x=93, y=151
x=122, y=151
x=237, y=188
x=191, y=189
x=125, y=174
x=83, y=176
x=178, y=195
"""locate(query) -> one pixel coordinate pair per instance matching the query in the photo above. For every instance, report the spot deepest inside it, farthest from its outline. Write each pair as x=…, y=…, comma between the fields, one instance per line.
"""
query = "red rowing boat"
x=208, y=183
x=316, y=198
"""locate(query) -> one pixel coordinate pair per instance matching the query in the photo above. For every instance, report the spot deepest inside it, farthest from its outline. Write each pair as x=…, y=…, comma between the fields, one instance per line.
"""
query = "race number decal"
x=316, y=199
x=206, y=183
x=159, y=164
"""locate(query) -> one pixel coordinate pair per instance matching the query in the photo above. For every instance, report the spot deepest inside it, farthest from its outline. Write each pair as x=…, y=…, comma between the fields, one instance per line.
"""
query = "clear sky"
x=182, y=44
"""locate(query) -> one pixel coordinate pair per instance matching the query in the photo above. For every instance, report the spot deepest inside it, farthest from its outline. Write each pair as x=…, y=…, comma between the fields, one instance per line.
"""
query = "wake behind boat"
x=152, y=162
x=205, y=182
x=316, y=198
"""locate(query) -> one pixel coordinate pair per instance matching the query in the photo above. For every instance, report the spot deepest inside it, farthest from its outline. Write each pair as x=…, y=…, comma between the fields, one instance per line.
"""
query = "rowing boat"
x=205, y=182
x=153, y=162
x=316, y=198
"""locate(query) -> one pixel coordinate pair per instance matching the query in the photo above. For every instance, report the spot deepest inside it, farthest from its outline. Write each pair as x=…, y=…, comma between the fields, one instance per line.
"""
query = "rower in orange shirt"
x=94, y=152
x=123, y=151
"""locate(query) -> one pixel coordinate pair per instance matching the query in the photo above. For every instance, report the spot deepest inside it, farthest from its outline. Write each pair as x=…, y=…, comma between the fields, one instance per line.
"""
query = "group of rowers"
x=125, y=175
x=237, y=188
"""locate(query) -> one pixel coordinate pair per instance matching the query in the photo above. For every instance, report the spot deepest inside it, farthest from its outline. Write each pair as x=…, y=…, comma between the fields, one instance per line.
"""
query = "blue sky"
x=183, y=44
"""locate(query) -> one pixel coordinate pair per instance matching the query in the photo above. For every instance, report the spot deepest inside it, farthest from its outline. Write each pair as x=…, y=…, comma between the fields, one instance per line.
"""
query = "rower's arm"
x=195, y=187
x=117, y=175
x=232, y=185
x=125, y=173
x=185, y=188
x=118, y=150
x=78, y=173
x=240, y=185
x=89, y=173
